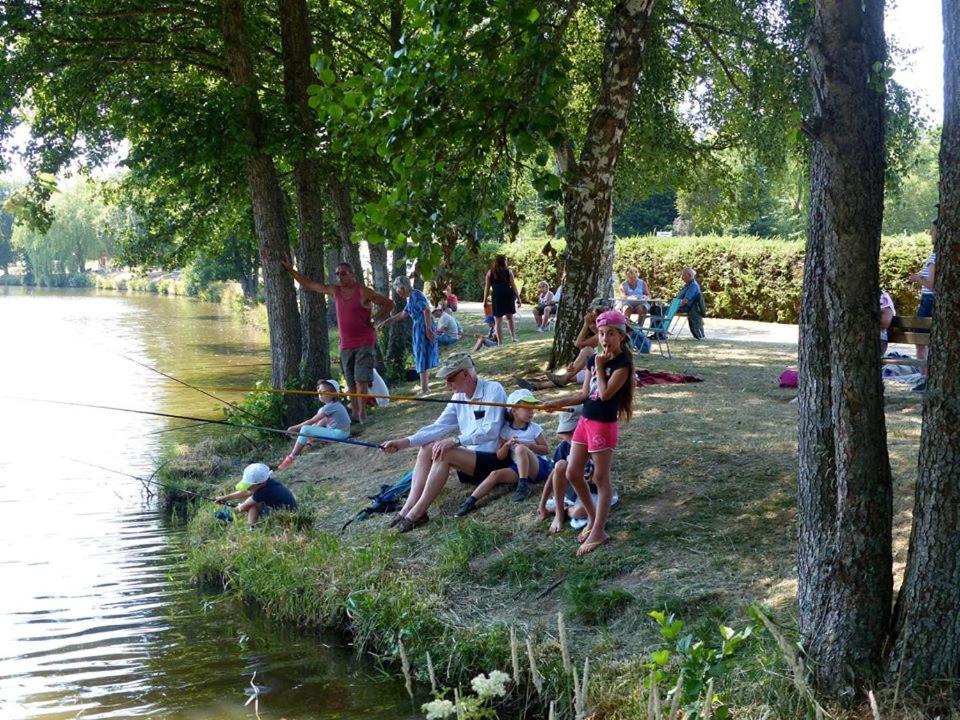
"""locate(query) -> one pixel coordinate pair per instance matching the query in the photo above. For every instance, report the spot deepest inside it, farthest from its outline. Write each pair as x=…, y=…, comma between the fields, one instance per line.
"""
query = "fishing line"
x=149, y=480
x=276, y=431
x=375, y=396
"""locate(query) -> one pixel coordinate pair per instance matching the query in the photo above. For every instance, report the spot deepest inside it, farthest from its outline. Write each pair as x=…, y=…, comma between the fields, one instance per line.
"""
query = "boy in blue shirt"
x=260, y=494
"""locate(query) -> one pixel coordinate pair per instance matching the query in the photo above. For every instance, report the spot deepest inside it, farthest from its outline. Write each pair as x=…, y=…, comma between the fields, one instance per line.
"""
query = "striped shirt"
x=925, y=273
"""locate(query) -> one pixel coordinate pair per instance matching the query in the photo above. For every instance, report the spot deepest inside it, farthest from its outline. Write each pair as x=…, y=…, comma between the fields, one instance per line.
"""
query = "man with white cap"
x=260, y=494
x=471, y=451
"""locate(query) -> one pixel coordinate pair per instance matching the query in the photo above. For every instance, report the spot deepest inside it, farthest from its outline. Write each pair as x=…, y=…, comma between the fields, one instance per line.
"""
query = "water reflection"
x=96, y=619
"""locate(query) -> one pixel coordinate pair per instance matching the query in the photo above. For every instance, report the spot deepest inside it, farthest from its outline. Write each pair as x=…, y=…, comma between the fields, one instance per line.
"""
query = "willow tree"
x=845, y=582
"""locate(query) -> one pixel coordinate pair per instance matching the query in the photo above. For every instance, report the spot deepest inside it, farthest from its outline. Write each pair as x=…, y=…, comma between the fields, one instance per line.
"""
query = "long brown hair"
x=625, y=399
x=499, y=269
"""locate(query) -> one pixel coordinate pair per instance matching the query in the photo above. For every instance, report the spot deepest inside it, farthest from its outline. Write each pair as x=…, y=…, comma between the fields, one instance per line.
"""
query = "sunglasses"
x=343, y=272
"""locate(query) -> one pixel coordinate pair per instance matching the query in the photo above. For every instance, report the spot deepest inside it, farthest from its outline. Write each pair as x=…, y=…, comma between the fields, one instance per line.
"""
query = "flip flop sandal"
x=583, y=534
x=406, y=524
x=396, y=520
x=589, y=547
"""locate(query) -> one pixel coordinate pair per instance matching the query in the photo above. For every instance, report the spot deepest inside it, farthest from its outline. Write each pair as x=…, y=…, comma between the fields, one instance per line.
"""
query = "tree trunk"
x=296, y=47
x=589, y=192
x=343, y=212
x=844, y=486
x=380, y=280
x=398, y=336
x=270, y=224
x=927, y=617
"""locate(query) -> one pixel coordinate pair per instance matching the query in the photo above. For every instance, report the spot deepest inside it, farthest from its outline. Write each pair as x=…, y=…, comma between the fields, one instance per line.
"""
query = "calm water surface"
x=97, y=617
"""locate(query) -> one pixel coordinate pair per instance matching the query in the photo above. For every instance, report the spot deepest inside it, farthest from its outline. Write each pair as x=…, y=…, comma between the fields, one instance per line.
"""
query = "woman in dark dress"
x=505, y=299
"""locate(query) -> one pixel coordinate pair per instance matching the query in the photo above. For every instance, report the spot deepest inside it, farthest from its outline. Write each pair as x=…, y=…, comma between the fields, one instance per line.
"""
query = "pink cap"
x=612, y=318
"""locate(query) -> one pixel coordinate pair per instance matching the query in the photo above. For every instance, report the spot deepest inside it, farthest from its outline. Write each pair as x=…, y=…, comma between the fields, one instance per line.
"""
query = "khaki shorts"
x=357, y=364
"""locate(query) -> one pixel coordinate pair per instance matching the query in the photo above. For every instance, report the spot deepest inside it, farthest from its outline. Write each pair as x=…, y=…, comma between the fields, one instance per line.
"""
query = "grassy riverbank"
x=704, y=531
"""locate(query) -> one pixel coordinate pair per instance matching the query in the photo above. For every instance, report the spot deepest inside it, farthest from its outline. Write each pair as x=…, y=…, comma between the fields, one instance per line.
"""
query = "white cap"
x=332, y=383
x=522, y=396
x=254, y=474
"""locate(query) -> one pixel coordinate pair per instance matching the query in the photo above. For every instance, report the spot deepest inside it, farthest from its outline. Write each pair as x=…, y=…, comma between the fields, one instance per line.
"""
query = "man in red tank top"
x=358, y=340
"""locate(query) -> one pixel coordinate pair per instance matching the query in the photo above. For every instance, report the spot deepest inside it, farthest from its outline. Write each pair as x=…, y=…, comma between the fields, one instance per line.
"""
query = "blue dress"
x=426, y=354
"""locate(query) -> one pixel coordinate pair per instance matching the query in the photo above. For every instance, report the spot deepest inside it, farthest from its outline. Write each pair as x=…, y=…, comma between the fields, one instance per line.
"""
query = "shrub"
x=12, y=280
x=742, y=277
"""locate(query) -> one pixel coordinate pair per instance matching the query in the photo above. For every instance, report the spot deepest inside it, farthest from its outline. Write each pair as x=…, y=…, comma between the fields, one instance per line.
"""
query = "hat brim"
x=567, y=427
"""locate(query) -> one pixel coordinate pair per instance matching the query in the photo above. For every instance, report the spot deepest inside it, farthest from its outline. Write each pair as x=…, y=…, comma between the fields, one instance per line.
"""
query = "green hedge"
x=742, y=277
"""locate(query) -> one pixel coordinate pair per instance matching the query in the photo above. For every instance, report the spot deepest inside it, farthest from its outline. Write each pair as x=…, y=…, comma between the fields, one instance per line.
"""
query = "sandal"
x=583, y=534
x=589, y=547
x=396, y=520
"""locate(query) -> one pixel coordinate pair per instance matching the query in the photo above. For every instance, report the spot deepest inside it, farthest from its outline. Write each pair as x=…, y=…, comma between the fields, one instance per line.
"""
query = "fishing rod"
x=149, y=480
x=179, y=427
x=261, y=428
x=192, y=387
x=376, y=396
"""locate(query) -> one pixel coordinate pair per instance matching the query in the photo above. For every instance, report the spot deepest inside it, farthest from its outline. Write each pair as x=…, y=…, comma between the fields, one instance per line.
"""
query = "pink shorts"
x=596, y=435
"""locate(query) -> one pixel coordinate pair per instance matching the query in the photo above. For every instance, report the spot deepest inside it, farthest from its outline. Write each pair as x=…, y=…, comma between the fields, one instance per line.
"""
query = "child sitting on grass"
x=607, y=397
x=332, y=421
x=491, y=339
x=554, y=489
x=523, y=440
x=260, y=494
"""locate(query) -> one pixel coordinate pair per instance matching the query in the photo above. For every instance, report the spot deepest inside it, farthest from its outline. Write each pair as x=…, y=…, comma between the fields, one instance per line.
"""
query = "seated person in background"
x=448, y=329
x=691, y=302
x=587, y=341
x=491, y=339
x=887, y=311
x=449, y=299
x=331, y=421
x=545, y=307
x=260, y=494
x=634, y=295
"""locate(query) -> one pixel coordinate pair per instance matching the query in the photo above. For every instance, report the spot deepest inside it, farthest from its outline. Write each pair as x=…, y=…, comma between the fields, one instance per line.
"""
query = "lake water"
x=97, y=616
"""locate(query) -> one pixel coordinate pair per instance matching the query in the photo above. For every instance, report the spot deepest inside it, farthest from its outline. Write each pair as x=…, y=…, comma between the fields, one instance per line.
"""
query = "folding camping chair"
x=659, y=327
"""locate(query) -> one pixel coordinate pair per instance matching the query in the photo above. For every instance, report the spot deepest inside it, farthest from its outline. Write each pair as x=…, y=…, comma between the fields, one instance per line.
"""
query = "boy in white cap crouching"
x=260, y=494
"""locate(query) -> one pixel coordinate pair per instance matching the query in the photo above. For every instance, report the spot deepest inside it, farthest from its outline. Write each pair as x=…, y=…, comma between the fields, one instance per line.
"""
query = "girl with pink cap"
x=607, y=398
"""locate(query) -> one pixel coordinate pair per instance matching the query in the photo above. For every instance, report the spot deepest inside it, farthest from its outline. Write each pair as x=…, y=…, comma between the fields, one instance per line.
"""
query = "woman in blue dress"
x=426, y=350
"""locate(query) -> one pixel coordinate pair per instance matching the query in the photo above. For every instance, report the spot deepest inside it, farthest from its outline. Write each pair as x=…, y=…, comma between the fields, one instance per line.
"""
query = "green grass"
x=704, y=529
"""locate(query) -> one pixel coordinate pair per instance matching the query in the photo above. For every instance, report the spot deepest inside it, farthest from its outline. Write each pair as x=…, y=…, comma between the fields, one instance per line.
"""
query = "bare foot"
x=584, y=534
x=591, y=544
x=542, y=513
x=556, y=526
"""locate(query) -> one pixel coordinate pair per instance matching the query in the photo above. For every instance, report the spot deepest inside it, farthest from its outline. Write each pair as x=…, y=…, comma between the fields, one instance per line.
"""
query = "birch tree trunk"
x=589, y=192
x=927, y=617
x=296, y=48
x=269, y=218
x=844, y=486
x=380, y=280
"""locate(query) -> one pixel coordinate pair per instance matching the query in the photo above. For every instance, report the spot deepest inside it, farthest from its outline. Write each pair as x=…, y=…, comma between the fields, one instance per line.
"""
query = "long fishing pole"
x=376, y=396
x=277, y=431
x=192, y=387
x=178, y=427
x=149, y=480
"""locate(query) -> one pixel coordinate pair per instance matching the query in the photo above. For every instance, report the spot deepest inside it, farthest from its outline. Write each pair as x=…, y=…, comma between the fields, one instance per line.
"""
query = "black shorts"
x=487, y=462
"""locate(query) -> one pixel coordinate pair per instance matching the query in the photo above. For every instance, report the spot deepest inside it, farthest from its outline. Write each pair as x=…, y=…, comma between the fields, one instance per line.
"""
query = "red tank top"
x=353, y=320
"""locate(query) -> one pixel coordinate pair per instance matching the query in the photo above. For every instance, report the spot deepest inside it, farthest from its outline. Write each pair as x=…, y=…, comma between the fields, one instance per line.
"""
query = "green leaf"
x=661, y=657
x=334, y=111
x=534, y=14
x=727, y=632
x=658, y=615
x=327, y=76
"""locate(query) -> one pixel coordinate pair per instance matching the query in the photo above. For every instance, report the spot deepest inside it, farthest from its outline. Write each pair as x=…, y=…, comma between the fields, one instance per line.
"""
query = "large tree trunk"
x=926, y=642
x=296, y=46
x=844, y=487
x=380, y=280
x=398, y=335
x=343, y=212
x=588, y=195
x=270, y=224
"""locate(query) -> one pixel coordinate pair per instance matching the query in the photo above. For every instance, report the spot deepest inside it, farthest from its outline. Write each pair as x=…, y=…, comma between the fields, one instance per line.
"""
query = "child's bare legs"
x=601, y=478
x=575, y=465
x=542, y=512
x=559, y=493
x=425, y=381
x=528, y=468
x=252, y=509
x=504, y=476
x=498, y=329
x=513, y=331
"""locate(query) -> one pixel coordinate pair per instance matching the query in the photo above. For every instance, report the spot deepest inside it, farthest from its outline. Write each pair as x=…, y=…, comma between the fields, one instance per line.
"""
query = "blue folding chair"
x=659, y=327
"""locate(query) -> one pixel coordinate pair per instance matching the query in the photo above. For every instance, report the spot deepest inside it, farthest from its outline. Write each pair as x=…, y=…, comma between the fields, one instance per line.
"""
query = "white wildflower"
x=439, y=709
x=489, y=687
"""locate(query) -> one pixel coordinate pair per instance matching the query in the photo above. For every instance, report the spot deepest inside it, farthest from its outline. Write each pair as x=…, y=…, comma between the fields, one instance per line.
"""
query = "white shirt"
x=925, y=273
x=527, y=435
x=478, y=425
x=447, y=324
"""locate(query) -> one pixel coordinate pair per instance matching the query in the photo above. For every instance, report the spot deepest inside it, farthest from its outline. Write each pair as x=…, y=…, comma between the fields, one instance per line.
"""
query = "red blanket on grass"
x=653, y=377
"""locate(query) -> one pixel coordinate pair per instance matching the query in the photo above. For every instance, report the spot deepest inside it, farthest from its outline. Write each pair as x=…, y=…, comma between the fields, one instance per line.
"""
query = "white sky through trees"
x=912, y=25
